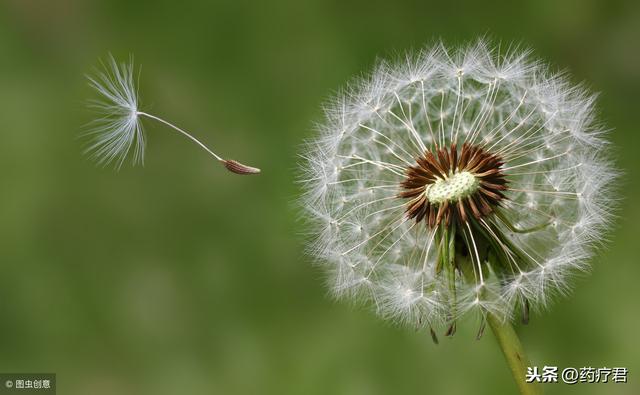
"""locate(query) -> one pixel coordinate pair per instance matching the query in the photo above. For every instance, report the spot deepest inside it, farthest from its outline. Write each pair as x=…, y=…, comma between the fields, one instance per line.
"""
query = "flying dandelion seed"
x=456, y=182
x=118, y=131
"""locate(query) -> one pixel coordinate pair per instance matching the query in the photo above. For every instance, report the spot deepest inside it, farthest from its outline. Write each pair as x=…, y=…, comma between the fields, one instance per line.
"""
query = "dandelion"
x=458, y=182
x=118, y=131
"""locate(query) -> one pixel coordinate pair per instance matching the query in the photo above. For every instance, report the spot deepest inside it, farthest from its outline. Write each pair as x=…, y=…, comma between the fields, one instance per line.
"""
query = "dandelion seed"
x=118, y=130
x=503, y=186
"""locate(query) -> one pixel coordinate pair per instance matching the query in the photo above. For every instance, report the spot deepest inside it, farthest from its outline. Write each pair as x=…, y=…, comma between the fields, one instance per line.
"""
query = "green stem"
x=514, y=354
x=504, y=332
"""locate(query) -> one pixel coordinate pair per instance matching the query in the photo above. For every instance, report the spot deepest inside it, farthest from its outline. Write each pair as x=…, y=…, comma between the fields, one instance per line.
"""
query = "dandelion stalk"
x=514, y=354
x=118, y=129
x=507, y=339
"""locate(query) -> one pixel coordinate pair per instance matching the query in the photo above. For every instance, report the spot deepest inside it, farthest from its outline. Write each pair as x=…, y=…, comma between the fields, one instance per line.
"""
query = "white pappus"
x=457, y=181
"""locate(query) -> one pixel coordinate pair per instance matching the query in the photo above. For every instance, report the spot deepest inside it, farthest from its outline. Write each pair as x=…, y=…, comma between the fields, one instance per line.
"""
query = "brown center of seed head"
x=448, y=185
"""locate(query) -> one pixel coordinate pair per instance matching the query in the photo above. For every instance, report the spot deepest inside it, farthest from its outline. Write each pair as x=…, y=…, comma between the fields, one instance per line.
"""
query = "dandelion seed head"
x=471, y=156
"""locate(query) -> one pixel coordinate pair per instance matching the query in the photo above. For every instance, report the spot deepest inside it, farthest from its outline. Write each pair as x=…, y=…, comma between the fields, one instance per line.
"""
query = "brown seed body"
x=238, y=168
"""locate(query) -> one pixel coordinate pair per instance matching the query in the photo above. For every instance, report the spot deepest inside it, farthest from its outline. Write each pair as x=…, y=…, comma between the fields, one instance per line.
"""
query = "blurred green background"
x=179, y=278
